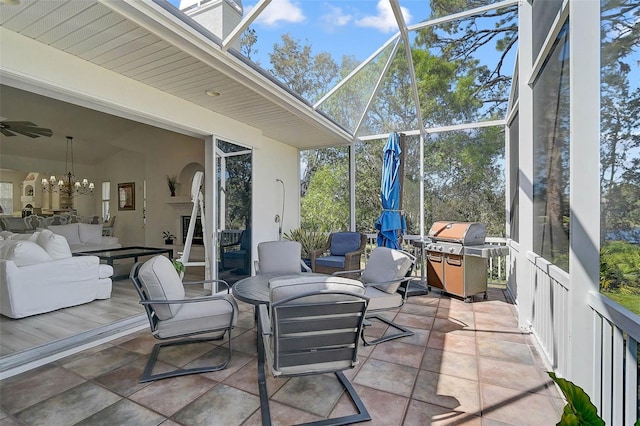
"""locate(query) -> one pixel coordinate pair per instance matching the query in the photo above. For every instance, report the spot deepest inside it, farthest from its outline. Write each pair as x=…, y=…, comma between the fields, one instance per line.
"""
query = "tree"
x=620, y=122
x=248, y=39
x=307, y=75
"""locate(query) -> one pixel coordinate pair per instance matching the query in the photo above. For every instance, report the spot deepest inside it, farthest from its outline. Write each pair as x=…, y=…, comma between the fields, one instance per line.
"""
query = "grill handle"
x=457, y=261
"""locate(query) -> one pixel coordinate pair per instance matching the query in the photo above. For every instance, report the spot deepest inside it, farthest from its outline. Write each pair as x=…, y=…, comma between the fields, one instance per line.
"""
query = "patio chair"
x=237, y=255
x=386, y=270
x=282, y=257
x=172, y=316
x=312, y=327
x=342, y=251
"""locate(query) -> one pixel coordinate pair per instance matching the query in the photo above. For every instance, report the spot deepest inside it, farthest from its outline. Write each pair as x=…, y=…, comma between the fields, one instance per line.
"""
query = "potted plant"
x=172, y=181
x=179, y=267
x=168, y=237
x=310, y=240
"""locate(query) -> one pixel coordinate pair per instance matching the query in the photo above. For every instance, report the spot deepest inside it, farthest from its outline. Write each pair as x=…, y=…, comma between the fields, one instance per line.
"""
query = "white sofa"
x=38, y=274
x=84, y=237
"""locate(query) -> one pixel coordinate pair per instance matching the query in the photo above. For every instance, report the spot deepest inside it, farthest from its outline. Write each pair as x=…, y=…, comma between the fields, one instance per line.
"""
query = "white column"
x=584, y=255
x=210, y=208
x=525, y=161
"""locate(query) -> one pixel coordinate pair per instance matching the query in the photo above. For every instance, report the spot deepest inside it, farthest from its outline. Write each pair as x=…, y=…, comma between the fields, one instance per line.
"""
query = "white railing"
x=229, y=236
x=615, y=369
x=616, y=332
x=550, y=313
x=496, y=266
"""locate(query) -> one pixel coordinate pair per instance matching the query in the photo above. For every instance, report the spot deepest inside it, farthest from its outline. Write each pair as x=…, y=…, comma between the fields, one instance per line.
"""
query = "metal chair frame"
x=298, y=330
x=147, y=375
x=375, y=314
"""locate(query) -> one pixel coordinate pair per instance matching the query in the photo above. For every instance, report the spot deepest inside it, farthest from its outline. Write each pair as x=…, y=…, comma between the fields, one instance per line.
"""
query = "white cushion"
x=55, y=245
x=33, y=236
x=161, y=282
x=282, y=288
x=6, y=234
x=281, y=257
x=386, y=265
x=90, y=234
x=69, y=231
x=23, y=252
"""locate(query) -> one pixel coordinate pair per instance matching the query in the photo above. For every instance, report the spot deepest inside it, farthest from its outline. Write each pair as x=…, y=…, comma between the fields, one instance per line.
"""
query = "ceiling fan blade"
x=6, y=132
x=26, y=128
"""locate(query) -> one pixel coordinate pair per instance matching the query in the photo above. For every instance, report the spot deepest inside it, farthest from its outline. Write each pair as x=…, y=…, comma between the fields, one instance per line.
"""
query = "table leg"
x=262, y=378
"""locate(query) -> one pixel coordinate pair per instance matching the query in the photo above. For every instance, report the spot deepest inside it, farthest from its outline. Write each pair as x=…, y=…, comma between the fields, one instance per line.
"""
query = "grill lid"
x=466, y=233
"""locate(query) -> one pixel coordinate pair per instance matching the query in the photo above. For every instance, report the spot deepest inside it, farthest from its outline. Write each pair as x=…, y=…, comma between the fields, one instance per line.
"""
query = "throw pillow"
x=344, y=242
x=90, y=234
x=55, y=245
x=23, y=252
x=26, y=237
x=69, y=231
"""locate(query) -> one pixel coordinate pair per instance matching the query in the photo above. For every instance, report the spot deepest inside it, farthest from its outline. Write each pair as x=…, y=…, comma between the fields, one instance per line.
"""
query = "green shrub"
x=310, y=240
x=620, y=267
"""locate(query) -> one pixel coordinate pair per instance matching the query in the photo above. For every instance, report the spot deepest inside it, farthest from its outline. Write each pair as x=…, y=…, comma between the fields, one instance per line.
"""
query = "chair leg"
x=148, y=377
x=362, y=416
x=404, y=332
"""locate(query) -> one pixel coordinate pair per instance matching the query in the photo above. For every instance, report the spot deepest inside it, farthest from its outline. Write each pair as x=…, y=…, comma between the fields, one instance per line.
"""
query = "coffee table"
x=134, y=253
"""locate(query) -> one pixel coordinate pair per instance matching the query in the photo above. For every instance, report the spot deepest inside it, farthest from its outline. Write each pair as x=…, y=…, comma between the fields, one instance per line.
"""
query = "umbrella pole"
x=413, y=288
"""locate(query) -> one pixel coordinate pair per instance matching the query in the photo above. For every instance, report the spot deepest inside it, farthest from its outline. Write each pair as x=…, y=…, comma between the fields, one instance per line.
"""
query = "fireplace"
x=198, y=236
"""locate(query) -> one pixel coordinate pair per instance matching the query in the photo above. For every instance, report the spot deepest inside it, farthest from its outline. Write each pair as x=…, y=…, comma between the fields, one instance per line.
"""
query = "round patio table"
x=255, y=289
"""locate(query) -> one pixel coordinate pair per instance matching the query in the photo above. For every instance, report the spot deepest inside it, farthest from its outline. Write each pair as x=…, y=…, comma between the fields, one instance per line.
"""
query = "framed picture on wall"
x=127, y=196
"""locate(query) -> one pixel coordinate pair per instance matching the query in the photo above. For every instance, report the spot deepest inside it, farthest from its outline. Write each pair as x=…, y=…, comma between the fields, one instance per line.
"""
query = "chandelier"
x=67, y=184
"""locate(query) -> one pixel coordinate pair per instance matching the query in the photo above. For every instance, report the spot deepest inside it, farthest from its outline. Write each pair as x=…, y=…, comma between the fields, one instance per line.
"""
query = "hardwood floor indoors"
x=30, y=339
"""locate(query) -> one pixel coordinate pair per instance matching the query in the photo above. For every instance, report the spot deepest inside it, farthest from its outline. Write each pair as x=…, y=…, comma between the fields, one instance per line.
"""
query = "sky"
x=338, y=27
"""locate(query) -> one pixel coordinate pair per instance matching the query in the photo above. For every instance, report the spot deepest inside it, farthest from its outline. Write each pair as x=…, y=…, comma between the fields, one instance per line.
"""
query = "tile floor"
x=467, y=364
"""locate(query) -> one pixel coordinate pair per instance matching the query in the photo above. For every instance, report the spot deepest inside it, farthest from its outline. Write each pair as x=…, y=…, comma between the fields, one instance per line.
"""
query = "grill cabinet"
x=453, y=268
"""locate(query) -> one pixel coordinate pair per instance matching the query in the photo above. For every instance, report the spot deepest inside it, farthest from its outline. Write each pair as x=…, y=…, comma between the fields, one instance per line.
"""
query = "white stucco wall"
x=88, y=85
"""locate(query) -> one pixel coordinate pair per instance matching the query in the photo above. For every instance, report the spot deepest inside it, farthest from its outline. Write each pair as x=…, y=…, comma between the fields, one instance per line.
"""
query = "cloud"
x=279, y=11
x=335, y=17
x=384, y=21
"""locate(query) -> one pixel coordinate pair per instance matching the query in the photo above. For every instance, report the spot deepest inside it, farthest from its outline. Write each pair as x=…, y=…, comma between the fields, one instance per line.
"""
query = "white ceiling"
x=142, y=41
x=93, y=132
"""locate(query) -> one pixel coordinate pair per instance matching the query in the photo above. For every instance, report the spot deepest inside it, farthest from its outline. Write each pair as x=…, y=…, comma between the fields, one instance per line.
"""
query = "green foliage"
x=629, y=301
x=307, y=75
x=171, y=183
x=310, y=240
x=620, y=267
x=579, y=410
x=178, y=265
x=325, y=207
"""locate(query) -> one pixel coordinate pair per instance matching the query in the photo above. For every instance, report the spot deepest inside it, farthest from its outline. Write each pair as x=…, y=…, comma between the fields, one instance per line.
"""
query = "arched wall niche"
x=186, y=176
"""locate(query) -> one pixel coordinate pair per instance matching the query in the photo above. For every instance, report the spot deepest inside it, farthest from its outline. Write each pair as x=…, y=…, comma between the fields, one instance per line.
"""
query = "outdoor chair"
x=282, y=257
x=237, y=255
x=342, y=251
x=312, y=326
x=386, y=270
x=176, y=318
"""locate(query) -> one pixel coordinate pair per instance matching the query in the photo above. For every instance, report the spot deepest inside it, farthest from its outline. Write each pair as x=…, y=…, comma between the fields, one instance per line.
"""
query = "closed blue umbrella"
x=391, y=224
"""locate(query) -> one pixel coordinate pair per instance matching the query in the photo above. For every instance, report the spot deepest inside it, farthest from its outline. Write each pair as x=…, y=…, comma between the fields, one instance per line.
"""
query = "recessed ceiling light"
x=212, y=93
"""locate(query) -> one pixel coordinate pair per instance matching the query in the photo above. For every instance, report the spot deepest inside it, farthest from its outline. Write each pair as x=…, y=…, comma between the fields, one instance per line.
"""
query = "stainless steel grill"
x=457, y=256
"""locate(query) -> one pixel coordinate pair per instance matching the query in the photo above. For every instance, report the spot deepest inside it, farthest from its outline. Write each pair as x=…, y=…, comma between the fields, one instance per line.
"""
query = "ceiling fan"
x=26, y=128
